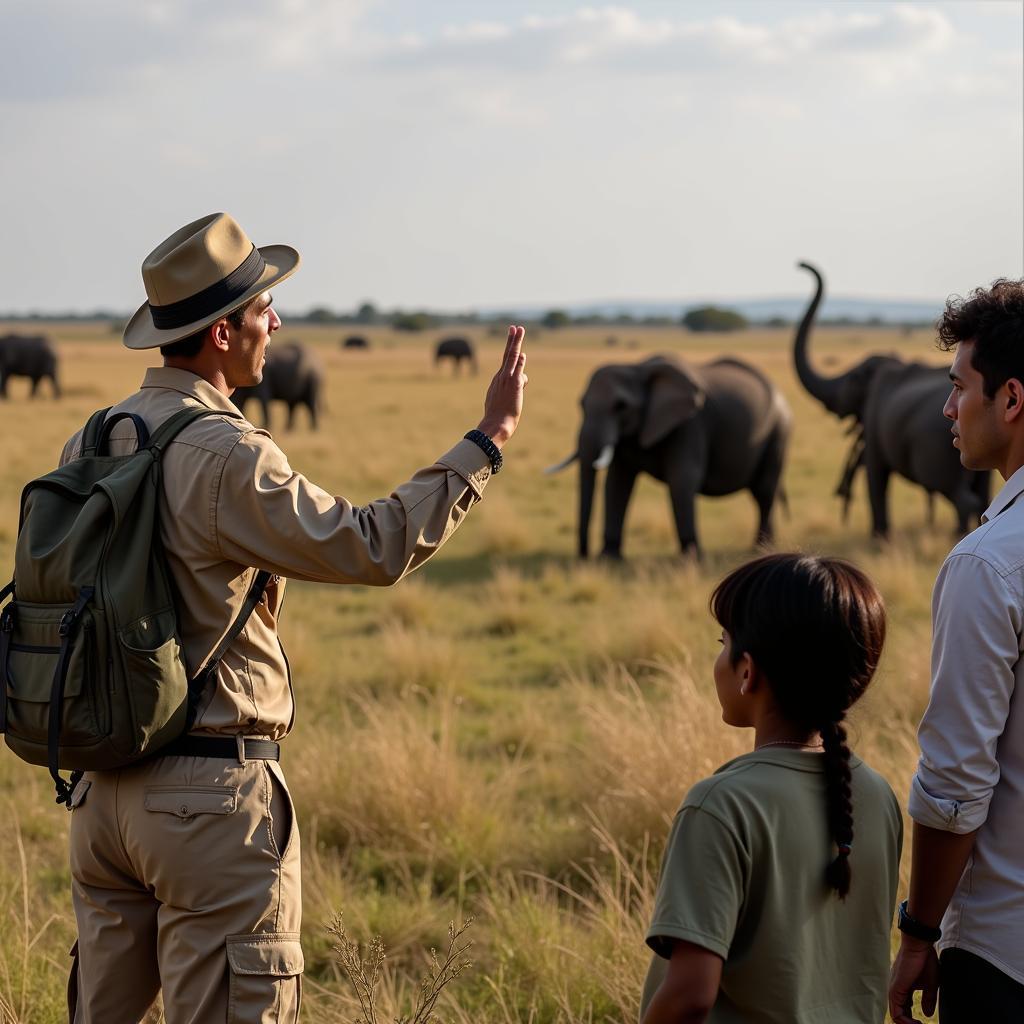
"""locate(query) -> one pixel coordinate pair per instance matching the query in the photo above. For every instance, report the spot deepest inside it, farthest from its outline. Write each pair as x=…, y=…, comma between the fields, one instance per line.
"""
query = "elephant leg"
x=618, y=487
x=311, y=405
x=265, y=406
x=34, y=390
x=682, y=491
x=765, y=486
x=56, y=385
x=291, y=416
x=878, y=486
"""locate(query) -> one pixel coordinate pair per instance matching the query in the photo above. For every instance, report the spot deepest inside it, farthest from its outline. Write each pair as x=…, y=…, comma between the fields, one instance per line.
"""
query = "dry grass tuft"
x=398, y=788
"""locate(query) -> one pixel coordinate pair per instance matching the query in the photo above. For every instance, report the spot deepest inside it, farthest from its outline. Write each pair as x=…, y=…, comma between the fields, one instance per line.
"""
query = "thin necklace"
x=791, y=743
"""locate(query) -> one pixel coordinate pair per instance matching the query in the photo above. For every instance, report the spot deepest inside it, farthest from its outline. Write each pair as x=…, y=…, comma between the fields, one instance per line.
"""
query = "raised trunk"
x=824, y=389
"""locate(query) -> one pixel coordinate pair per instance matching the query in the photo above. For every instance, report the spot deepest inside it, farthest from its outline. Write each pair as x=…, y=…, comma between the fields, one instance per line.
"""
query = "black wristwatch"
x=914, y=928
x=490, y=449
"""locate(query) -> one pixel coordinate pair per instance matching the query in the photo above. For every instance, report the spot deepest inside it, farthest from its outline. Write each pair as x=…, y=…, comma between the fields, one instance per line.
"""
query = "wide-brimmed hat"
x=202, y=272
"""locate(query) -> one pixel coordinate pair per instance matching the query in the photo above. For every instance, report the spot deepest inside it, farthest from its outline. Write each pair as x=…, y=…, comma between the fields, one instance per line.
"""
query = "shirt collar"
x=1007, y=495
x=191, y=384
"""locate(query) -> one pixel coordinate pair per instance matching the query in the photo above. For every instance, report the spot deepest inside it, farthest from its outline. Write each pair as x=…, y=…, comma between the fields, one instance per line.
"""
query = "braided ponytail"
x=839, y=809
x=815, y=628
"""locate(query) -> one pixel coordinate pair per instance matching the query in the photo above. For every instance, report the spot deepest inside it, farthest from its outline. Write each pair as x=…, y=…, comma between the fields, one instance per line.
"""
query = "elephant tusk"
x=604, y=459
x=559, y=466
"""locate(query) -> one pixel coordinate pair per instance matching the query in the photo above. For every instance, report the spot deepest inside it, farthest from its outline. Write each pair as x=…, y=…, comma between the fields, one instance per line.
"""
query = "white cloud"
x=451, y=158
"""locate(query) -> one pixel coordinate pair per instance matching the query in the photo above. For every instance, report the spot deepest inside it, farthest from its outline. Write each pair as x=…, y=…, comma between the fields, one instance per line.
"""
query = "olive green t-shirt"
x=743, y=875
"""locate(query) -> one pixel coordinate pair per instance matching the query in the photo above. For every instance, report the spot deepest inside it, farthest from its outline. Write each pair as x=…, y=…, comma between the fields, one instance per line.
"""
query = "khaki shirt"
x=231, y=505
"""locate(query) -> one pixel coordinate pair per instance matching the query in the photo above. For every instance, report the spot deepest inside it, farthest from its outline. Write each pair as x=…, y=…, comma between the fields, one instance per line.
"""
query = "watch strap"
x=489, y=448
x=914, y=928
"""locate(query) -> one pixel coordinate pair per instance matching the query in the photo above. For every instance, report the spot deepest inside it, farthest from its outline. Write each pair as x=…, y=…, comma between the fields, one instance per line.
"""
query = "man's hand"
x=504, y=402
x=916, y=967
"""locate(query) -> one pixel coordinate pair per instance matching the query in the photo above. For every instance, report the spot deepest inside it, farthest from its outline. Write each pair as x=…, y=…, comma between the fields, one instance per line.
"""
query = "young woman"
x=779, y=879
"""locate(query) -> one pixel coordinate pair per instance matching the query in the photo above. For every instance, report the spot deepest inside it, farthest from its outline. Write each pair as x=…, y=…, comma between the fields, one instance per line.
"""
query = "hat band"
x=209, y=300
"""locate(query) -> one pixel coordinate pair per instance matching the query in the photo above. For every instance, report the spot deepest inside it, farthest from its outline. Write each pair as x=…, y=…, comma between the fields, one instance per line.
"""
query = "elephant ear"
x=674, y=395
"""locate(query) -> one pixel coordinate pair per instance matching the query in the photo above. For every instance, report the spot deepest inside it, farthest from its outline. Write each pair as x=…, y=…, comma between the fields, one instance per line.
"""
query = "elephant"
x=28, y=356
x=455, y=349
x=898, y=427
x=712, y=429
x=355, y=341
x=292, y=374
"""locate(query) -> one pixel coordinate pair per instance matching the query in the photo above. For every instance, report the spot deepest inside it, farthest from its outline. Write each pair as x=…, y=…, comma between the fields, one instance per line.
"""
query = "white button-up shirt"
x=971, y=772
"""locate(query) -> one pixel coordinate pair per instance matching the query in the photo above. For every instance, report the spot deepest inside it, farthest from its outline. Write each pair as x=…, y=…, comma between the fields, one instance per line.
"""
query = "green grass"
x=507, y=733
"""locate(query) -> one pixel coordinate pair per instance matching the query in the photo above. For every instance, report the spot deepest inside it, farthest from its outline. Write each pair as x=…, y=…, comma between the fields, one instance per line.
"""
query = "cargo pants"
x=185, y=878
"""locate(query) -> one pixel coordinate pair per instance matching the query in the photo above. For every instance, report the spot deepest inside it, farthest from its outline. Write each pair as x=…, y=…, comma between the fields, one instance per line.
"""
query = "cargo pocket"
x=265, y=978
x=186, y=802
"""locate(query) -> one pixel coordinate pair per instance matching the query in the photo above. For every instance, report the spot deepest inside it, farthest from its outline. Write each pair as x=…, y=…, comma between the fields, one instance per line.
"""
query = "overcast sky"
x=464, y=153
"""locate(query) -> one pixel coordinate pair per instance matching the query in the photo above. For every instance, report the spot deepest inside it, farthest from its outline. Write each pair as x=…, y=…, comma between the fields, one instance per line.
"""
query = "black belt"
x=215, y=746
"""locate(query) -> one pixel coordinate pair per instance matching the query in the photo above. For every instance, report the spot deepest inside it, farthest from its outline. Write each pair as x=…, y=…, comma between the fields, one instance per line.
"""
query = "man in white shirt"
x=963, y=923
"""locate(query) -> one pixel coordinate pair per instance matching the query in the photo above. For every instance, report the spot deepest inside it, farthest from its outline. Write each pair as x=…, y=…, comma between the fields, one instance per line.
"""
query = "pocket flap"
x=275, y=954
x=186, y=801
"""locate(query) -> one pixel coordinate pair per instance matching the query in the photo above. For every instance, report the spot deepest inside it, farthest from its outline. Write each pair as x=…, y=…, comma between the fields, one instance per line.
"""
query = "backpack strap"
x=197, y=684
x=91, y=433
x=141, y=431
x=174, y=425
x=68, y=628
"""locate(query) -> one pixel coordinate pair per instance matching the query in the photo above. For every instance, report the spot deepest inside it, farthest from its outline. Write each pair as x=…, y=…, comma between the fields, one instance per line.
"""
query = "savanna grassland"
x=506, y=734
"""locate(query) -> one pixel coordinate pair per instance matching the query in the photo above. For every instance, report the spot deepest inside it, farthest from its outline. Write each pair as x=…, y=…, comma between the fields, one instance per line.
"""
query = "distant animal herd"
x=710, y=429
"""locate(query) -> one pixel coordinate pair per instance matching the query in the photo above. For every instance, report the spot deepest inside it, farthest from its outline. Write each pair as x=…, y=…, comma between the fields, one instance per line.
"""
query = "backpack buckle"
x=67, y=620
x=7, y=619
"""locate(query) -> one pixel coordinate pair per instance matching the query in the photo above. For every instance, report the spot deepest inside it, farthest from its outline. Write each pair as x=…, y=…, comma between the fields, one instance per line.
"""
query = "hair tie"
x=844, y=849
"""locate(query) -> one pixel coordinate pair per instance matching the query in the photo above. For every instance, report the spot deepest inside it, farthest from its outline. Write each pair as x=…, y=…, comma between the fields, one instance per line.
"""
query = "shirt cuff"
x=959, y=816
x=469, y=461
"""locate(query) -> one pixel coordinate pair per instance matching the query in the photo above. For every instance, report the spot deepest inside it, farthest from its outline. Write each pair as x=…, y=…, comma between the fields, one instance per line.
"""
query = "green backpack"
x=92, y=671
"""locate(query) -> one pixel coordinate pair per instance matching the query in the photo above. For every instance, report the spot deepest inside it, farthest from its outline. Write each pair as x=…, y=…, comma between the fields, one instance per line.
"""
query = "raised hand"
x=503, y=404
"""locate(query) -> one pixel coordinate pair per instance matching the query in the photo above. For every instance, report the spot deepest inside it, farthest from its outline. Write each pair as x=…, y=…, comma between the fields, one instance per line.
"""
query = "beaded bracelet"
x=489, y=448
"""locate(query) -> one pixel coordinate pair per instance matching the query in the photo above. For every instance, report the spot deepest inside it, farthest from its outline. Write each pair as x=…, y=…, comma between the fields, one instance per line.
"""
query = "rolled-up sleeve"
x=976, y=622
x=267, y=515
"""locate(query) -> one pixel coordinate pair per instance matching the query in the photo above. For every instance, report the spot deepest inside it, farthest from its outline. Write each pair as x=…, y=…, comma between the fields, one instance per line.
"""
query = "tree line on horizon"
x=699, y=319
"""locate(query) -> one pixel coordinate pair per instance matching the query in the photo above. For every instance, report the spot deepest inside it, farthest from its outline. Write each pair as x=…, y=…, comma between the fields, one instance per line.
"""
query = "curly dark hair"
x=815, y=627
x=992, y=319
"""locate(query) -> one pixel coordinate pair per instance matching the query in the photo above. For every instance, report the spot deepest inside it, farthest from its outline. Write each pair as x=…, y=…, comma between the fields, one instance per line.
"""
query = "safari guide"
x=185, y=865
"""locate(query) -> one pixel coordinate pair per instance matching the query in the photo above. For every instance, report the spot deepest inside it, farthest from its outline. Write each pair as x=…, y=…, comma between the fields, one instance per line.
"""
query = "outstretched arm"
x=282, y=522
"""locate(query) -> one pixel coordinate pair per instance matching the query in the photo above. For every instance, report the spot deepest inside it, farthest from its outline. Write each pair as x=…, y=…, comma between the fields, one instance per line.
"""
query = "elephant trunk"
x=588, y=477
x=824, y=389
x=595, y=450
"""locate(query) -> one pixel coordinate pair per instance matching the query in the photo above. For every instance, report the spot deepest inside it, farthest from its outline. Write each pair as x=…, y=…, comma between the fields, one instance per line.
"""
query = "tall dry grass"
x=506, y=734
